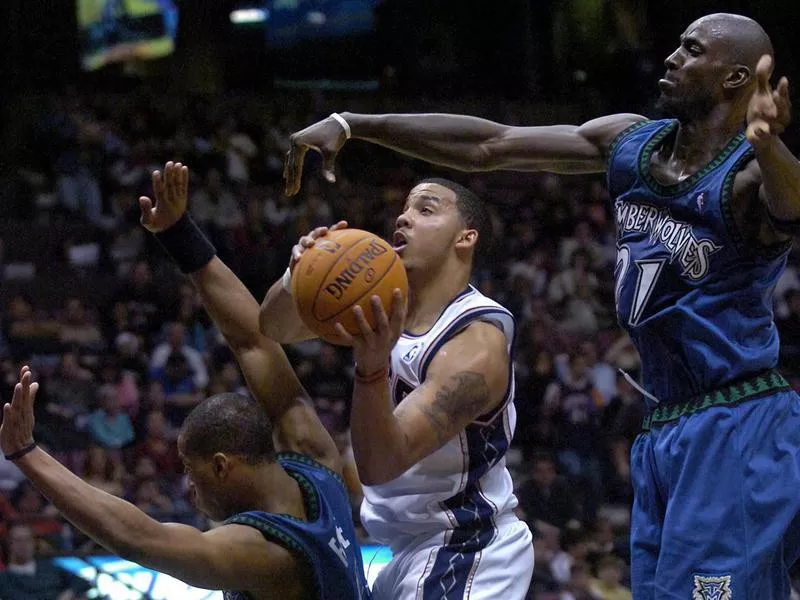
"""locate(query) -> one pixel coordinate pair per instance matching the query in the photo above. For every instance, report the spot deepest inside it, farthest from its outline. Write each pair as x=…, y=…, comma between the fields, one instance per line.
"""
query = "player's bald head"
x=741, y=39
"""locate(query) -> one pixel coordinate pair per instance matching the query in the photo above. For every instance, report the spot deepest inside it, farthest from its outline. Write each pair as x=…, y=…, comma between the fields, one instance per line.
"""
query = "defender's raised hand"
x=171, y=191
x=16, y=432
x=326, y=137
x=769, y=111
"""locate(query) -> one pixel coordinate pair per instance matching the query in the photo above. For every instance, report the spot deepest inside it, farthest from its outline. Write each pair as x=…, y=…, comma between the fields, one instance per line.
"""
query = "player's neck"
x=430, y=293
x=273, y=490
x=699, y=141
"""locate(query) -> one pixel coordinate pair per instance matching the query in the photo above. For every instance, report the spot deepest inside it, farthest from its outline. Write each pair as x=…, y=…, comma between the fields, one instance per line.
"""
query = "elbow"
x=481, y=159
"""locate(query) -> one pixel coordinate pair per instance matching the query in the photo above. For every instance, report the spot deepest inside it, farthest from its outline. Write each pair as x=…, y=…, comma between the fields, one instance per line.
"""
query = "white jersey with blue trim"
x=464, y=485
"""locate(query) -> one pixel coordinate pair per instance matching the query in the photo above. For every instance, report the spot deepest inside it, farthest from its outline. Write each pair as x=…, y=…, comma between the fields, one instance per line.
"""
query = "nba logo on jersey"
x=409, y=356
x=712, y=588
x=701, y=201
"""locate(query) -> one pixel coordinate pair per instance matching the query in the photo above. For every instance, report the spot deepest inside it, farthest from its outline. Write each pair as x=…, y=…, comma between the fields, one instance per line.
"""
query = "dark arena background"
x=97, y=94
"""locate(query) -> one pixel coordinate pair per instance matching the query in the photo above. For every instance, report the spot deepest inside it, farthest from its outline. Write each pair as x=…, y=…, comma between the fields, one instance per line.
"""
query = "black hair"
x=474, y=212
x=229, y=423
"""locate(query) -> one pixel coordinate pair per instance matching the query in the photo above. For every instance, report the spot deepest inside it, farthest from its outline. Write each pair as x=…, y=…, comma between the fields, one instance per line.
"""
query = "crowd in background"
x=123, y=348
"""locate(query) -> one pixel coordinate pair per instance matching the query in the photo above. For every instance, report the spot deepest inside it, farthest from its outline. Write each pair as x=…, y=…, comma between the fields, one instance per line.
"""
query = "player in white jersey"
x=433, y=411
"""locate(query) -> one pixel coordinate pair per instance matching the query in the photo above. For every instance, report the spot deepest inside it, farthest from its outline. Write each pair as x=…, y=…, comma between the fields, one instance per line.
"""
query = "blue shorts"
x=716, y=502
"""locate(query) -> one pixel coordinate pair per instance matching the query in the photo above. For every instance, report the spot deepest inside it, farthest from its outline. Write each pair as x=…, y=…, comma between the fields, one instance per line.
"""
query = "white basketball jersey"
x=464, y=485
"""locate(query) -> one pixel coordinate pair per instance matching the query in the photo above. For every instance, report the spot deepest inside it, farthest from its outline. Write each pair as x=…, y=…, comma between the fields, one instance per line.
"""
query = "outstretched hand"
x=171, y=191
x=16, y=432
x=769, y=111
x=373, y=347
x=326, y=137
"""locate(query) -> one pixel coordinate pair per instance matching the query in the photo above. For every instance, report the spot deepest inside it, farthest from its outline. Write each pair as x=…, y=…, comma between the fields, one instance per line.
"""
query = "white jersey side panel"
x=465, y=484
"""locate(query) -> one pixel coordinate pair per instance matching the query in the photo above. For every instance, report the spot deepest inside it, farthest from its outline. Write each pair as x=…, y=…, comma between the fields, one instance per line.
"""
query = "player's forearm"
x=113, y=523
x=278, y=318
x=229, y=304
x=780, y=172
x=455, y=141
x=379, y=444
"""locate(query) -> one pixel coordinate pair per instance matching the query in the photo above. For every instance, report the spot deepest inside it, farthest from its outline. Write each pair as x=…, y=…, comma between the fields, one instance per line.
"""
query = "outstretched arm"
x=269, y=375
x=232, y=556
x=464, y=143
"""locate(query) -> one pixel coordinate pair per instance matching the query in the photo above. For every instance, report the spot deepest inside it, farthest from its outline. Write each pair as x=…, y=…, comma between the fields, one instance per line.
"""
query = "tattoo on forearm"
x=467, y=392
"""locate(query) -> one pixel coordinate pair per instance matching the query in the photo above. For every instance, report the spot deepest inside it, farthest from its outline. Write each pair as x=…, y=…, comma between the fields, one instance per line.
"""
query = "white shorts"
x=496, y=564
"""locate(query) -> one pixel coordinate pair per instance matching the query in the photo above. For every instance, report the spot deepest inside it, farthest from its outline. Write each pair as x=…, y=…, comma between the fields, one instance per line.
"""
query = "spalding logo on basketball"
x=342, y=270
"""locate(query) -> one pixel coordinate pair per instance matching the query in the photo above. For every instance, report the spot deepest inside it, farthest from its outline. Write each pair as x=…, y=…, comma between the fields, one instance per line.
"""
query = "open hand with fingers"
x=171, y=191
x=769, y=111
x=16, y=432
x=372, y=347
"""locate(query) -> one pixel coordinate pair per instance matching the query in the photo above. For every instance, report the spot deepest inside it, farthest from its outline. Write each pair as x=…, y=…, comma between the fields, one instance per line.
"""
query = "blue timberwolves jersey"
x=695, y=298
x=327, y=541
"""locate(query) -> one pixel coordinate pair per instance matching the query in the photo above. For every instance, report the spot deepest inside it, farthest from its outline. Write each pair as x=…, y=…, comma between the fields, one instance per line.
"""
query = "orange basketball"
x=343, y=269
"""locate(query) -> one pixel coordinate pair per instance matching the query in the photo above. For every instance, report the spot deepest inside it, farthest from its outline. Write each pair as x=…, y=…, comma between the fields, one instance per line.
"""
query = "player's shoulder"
x=242, y=538
x=604, y=131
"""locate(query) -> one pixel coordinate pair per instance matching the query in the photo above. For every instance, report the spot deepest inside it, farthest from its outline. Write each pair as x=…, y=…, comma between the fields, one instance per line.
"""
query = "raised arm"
x=467, y=378
x=232, y=556
x=462, y=142
x=270, y=377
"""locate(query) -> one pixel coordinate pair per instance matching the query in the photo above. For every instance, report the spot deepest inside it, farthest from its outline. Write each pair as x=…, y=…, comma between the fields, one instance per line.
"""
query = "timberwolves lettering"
x=339, y=285
x=676, y=236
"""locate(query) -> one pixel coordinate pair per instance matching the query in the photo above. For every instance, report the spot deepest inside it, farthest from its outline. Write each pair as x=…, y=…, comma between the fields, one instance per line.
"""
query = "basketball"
x=343, y=269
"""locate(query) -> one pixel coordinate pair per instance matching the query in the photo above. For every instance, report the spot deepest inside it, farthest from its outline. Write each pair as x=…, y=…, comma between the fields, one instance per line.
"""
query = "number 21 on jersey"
x=647, y=273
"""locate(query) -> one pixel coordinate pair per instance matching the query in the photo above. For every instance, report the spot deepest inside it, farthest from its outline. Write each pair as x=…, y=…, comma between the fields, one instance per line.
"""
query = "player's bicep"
x=558, y=148
x=467, y=379
x=274, y=384
x=230, y=557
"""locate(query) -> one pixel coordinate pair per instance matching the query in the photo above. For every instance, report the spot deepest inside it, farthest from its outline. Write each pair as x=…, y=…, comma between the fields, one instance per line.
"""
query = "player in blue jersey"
x=706, y=202
x=268, y=470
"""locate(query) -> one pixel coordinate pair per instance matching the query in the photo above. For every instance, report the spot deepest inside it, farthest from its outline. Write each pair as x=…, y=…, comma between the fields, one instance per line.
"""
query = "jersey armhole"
x=741, y=243
x=615, y=143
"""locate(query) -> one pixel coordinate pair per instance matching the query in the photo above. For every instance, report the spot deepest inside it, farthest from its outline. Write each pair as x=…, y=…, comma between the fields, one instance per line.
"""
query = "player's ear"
x=468, y=238
x=738, y=77
x=221, y=463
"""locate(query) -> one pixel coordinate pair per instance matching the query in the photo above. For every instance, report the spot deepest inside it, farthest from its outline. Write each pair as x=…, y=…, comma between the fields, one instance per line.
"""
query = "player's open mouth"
x=399, y=242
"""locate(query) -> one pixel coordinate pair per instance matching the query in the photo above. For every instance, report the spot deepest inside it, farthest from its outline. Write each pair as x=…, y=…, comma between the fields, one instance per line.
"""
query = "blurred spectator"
x=574, y=550
x=65, y=416
x=33, y=509
x=180, y=394
x=109, y=426
x=104, y=470
x=148, y=497
x=214, y=206
x=158, y=446
x=176, y=345
x=77, y=329
x=582, y=239
x=608, y=585
x=27, y=331
x=546, y=497
x=28, y=578
x=564, y=286
x=326, y=381
x=580, y=584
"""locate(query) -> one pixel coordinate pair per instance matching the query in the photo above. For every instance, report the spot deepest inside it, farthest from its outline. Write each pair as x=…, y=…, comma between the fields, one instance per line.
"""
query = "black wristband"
x=187, y=245
x=17, y=455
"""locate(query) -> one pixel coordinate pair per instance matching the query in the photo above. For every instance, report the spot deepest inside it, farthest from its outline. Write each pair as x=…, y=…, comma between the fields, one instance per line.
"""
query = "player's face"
x=696, y=70
x=202, y=490
x=428, y=226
